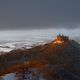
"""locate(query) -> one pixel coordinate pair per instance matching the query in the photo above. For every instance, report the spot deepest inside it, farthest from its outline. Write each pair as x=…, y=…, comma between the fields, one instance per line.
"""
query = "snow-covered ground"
x=10, y=76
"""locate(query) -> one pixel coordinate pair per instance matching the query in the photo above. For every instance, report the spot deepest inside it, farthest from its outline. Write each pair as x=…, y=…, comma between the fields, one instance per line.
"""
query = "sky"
x=39, y=14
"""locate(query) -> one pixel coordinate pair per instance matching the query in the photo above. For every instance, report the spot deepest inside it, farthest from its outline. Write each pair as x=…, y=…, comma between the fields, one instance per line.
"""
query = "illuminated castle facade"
x=61, y=39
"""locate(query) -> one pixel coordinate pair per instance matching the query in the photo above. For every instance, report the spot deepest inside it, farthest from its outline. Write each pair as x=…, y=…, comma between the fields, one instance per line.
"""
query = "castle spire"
x=61, y=39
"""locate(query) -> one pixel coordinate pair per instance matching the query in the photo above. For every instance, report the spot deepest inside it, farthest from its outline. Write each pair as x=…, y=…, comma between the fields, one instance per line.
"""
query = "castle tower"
x=61, y=39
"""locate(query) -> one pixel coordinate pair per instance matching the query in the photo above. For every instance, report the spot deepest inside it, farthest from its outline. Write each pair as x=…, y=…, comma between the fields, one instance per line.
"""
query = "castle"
x=61, y=39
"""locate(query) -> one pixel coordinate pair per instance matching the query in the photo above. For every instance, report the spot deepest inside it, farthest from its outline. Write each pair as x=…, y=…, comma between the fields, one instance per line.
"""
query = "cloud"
x=31, y=14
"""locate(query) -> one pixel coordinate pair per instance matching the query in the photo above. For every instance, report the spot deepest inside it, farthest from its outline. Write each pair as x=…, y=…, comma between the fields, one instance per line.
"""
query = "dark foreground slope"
x=62, y=57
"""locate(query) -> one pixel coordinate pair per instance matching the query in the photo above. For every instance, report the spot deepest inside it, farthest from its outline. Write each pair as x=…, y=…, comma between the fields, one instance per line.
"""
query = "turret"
x=61, y=39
